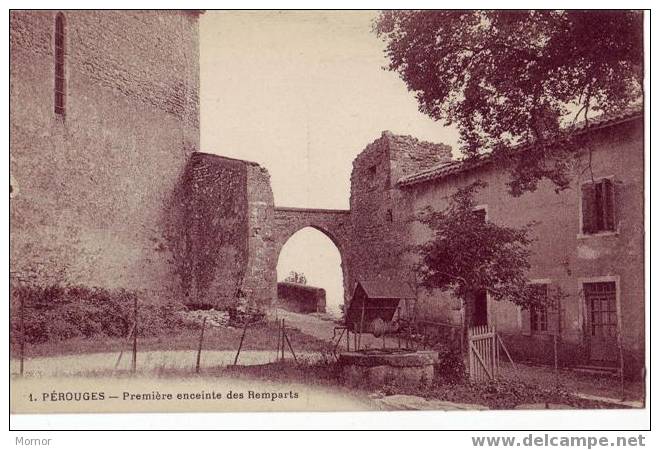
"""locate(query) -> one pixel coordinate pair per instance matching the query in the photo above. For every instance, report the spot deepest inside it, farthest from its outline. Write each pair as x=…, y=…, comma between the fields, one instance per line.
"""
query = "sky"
x=302, y=93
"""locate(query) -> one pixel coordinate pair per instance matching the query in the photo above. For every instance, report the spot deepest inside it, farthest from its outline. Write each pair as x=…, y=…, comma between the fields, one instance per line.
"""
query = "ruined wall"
x=231, y=233
x=301, y=298
x=260, y=284
x=213, y=261
x=380, y=216
x=92, y=191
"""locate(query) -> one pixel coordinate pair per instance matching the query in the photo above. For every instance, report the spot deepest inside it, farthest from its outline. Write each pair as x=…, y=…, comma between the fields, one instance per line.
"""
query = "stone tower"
x=379, y=211
x=104, y=116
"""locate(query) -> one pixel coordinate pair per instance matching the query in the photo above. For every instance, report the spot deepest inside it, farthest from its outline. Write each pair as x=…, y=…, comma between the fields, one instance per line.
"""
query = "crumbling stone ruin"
x=233, y=232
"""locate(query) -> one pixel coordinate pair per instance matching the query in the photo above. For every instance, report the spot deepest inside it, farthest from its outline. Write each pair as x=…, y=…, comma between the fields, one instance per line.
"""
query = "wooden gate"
x=484, y=346
x=483, y=353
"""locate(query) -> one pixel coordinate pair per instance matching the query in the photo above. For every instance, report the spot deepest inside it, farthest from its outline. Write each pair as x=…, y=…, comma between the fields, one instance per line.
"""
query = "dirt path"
x=147, y=361
x=321, y=326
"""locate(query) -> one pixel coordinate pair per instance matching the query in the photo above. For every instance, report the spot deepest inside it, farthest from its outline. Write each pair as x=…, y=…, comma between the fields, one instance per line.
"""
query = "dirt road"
x=321, y=326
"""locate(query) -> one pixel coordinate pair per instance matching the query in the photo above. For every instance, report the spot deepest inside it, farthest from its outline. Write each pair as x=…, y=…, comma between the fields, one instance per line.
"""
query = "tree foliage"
x=296, y=277
x=506, y=77
x=467, y=254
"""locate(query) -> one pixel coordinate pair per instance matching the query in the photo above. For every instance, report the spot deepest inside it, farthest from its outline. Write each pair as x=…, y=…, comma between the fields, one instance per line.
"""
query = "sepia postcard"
x=223, y=211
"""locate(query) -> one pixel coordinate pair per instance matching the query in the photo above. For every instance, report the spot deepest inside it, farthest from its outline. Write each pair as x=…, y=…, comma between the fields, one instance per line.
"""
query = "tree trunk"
x=468, y=310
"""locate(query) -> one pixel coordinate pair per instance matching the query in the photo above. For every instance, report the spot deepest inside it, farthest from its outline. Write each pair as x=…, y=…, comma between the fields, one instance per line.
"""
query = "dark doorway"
x=480, y=311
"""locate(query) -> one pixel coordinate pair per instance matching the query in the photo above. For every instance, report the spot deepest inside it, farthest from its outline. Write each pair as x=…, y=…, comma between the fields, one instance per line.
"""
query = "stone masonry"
x=379, y=213
x=233, y=232
x=93, y=195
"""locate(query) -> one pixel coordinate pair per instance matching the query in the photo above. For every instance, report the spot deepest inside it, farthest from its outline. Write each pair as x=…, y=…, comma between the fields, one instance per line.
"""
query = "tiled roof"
x=452, y=167
x=382, y=288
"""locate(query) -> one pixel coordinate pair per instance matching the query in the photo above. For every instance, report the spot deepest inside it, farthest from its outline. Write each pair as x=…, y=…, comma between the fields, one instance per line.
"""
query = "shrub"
x=450, y=367
x=56, y=313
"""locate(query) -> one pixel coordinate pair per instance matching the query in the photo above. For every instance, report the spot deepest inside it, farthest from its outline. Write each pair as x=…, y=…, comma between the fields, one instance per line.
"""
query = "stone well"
x=382, y=366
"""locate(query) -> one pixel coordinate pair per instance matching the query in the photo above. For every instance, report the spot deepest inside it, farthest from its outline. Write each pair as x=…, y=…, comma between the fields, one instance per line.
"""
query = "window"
x=540, y=319
x=598, y=209
x=538, y=315
x=60, y=82
x=480, y=213
x=601, y=308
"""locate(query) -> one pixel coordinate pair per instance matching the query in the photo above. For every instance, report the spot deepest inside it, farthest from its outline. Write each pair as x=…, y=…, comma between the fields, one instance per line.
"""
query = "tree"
x=296, y=277
x=508, y=77
x=467, y=255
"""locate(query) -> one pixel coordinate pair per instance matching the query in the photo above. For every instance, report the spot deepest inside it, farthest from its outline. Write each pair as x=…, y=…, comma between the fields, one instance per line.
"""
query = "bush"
x=239, y=316
x=57, y=313
x=451, y=366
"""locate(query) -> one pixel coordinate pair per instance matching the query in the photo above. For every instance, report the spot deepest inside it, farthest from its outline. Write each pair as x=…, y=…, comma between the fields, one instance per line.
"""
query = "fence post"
x=22, y=344
x=290, y=346
x=469, y=351
x=121, y=348
x=199, y=348
x=135, y=333
x=496, y=366
x=359, y=344
x=283, y=336
x=398, y=321
x=240, y=344
x=621, y=381
x=556, y=359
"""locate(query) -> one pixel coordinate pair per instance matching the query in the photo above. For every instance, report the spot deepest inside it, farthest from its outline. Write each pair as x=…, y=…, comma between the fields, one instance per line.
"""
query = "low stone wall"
x=378, y=367
x=301, y=298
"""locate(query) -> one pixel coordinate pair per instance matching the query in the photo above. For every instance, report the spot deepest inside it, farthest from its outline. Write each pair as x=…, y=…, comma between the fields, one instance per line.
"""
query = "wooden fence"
x=484, y=345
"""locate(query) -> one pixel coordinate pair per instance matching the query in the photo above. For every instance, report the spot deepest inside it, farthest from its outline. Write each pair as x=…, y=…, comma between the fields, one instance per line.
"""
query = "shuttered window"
x=598, y=208
x=480, y=214
x=60, y=82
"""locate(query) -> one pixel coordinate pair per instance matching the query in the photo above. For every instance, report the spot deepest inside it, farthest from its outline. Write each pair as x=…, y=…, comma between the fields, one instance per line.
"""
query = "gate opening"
x=310, y=253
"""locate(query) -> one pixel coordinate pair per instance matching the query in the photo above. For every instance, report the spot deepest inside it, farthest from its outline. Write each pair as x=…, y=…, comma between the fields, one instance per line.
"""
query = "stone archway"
x=333, y=223
x=227, y=233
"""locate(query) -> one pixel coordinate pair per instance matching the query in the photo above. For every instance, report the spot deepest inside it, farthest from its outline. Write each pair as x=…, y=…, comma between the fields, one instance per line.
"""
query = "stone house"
x=589, y=243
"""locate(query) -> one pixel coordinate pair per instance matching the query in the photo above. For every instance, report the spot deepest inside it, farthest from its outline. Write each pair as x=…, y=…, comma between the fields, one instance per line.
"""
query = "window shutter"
x=480, y=214
x=608, y=205
x=525, y=322
x=589, y=213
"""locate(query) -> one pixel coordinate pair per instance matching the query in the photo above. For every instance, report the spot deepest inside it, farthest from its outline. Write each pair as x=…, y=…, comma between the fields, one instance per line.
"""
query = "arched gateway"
x=232, y=233
x=334, y=223
x=227, y=233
